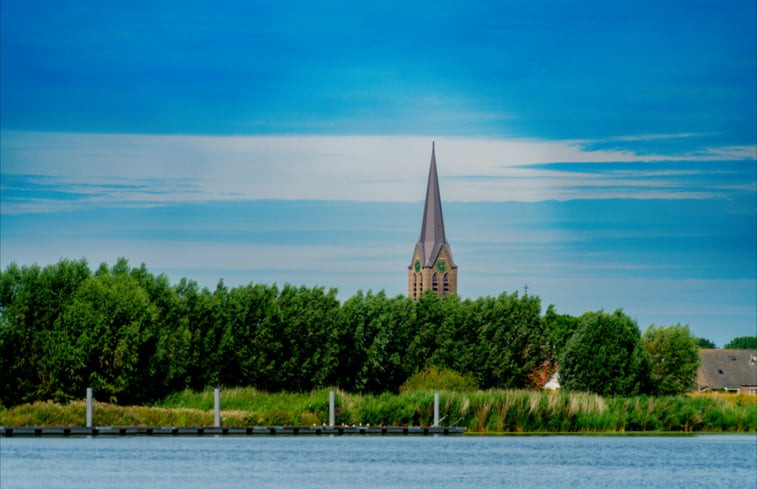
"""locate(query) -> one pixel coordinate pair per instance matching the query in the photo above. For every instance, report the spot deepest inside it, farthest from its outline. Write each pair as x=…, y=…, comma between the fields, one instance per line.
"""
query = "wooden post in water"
x=436, y=409
x=89, y=407
x=217, y=407
x=331, y=408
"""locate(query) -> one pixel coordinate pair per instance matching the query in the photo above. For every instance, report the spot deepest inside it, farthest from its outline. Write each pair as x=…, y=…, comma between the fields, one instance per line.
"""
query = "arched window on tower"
x=446, y=284
x=420, y=285
x=435, y=283
x=415, y=285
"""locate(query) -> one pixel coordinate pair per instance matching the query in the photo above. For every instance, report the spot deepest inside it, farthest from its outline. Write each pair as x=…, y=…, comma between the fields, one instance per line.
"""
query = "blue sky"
x=602, y=152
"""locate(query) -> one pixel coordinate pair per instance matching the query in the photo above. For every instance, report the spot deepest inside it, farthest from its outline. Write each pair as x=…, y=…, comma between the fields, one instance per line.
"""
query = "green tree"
x=208, y=322
x=428, y=330
x=513, y=341
x=248, y=307
x=400, y=328
x=563, y=326
x=605, y=356
x=31, y=301
x=103, y=339
x=674, y=358
x=742, y=343
x=374, y=332
x=462, y=322
x=167, y=347
x=361, y=317
x=296, y=341
x=704, y=343
x=445, y=335
x=194, y=310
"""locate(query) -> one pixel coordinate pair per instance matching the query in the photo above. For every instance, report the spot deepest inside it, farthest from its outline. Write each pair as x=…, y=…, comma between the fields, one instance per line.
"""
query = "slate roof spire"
x=432, y=237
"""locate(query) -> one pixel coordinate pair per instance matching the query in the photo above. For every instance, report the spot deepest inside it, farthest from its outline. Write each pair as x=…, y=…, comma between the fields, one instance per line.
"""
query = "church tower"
x=432, y=266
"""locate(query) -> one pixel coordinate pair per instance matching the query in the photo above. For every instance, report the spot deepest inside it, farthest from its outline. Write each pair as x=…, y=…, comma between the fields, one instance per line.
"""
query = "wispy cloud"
x=66, y=171
x=705, y=145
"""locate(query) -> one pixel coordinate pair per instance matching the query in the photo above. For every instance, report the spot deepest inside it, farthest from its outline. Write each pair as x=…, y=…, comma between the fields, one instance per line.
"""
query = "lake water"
x=710, y=461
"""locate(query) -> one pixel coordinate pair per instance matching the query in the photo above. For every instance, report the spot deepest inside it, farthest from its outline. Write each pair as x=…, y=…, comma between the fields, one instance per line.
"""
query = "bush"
x=434, y=378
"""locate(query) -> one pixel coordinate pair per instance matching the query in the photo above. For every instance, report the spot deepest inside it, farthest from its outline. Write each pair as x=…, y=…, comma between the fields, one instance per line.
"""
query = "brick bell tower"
x=432, y=266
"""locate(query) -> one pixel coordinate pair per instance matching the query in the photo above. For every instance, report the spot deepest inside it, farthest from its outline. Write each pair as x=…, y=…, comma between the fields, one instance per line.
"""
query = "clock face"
x=417, y=266
x=441, y=266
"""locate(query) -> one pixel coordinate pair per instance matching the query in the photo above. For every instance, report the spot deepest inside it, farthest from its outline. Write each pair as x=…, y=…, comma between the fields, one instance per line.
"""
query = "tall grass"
x=490, y=411
x=258, y=408
x=73, y=414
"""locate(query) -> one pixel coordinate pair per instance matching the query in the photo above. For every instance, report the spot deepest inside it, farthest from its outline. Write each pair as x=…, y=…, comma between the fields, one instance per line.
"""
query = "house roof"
x=721, y=369
x=553, y=383
x=433, y=238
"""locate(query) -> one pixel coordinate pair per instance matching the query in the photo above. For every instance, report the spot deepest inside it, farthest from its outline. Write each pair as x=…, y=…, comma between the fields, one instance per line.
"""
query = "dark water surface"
x=711, y=461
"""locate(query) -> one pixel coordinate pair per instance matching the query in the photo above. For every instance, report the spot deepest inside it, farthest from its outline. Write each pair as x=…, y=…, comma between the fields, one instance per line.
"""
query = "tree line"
x=135, y=338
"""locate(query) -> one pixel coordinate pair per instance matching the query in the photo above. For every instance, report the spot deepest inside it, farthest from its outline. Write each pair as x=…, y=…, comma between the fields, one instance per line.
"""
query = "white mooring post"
x=217, y=407
x=436, y=409
x=331, y=408
x=89, y=407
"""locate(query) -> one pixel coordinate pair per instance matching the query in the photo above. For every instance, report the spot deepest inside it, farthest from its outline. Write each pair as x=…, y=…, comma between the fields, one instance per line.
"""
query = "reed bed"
x=493, y=411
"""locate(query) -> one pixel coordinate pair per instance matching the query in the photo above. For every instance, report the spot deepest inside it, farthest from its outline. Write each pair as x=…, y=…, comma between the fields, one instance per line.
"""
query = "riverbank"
x=494, y=411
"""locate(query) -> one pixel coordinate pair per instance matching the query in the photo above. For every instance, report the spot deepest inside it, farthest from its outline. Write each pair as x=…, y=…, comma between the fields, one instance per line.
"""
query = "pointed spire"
x=432, y=228
x=432, y=267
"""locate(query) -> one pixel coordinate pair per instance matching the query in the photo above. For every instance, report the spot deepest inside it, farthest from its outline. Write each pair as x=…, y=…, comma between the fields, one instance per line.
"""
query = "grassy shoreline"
x=482, y=412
